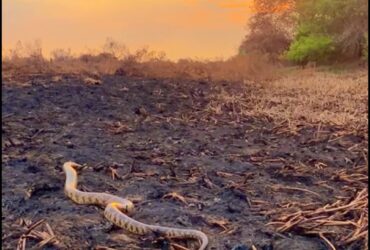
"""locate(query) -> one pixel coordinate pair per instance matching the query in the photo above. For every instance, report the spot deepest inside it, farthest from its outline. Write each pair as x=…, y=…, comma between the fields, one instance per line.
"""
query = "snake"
x=117, y=210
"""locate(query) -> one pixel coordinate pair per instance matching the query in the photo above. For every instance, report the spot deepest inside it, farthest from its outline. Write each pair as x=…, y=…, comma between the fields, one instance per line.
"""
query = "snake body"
x=117, y=210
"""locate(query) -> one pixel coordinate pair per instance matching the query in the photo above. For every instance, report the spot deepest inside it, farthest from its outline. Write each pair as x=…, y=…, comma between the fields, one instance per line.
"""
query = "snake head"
x=123, y=205
x=130, y=209
x=72, y=165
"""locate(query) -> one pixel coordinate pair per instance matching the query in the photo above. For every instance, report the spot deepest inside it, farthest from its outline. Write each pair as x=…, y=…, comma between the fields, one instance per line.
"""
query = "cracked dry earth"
x=156, y=143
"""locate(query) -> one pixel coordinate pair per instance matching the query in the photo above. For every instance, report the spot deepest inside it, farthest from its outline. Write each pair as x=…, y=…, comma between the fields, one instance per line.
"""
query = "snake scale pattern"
x=117, y=210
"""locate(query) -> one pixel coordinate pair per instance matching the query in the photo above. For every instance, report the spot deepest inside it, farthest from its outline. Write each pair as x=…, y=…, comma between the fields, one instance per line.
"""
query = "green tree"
x=337, y=25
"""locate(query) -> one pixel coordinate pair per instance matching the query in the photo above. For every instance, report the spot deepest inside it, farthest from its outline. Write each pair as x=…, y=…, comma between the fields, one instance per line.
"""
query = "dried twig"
x=176, y=196
x=295, y=188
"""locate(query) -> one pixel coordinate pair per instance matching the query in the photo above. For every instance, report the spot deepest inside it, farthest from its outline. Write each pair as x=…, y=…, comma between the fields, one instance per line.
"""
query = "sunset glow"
x=182, y=28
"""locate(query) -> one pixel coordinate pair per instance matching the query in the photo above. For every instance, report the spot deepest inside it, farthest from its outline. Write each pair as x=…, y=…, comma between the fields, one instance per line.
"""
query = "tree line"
x=302, y=31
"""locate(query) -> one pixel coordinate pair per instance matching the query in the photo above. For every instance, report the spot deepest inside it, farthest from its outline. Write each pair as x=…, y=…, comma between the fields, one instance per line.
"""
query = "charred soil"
x=157, y=143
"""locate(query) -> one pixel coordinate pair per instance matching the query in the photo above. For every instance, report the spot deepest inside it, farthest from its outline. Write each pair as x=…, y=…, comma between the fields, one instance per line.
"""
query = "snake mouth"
x=73, y=165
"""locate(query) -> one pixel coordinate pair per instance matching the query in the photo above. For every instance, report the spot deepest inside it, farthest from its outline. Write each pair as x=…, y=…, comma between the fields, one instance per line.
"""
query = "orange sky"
x=182, y=28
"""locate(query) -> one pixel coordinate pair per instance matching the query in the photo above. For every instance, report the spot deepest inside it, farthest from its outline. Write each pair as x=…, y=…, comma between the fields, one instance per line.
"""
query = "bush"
x=317, y=48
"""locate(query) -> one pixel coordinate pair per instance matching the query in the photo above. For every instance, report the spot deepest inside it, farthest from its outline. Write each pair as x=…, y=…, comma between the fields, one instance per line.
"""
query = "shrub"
x=316, y=48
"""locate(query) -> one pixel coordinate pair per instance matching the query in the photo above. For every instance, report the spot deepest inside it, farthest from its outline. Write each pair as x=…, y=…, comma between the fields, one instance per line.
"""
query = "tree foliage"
x=304, y=30
x=343, y=22
x=310, y=48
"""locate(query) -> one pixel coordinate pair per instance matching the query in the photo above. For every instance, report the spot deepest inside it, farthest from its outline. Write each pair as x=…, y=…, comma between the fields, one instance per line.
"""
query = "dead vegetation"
x=305, y=97
x=141, y=63
x=38, y=234
x=344, y=221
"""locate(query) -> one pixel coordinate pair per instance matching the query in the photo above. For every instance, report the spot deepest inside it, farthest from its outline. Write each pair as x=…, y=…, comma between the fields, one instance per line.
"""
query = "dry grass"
x=141, y=63
x=303, y=97
x=344, y=221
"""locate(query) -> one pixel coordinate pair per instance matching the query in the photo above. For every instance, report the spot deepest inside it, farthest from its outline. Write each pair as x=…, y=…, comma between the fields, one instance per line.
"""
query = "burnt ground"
x=159, y=137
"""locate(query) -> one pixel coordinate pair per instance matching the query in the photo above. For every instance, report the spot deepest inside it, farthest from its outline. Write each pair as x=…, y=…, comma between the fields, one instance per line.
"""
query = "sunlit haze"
x=202, y=29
